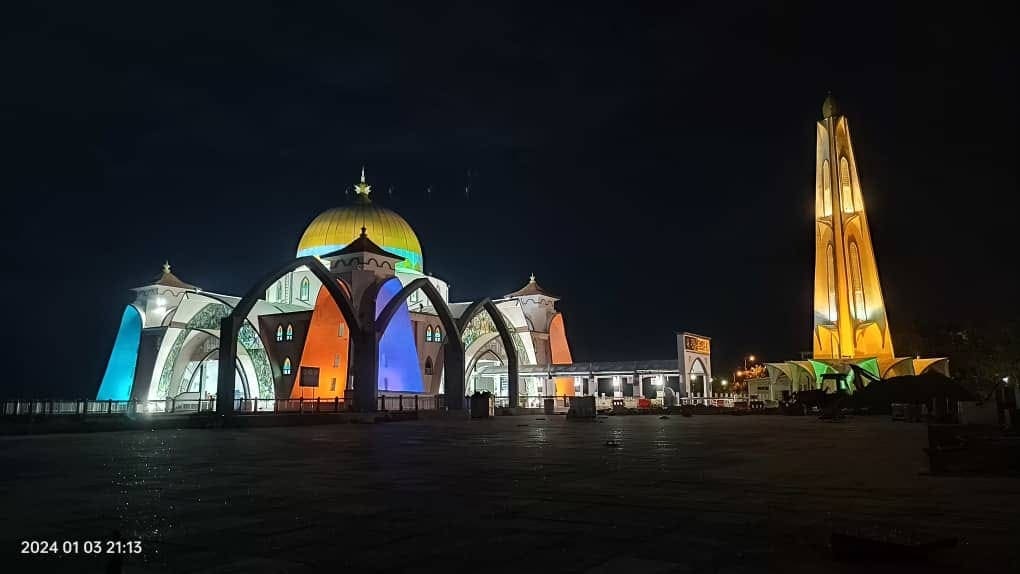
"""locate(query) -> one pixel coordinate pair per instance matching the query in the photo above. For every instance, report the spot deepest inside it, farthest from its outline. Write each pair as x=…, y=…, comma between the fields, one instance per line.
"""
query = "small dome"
x=336, y=228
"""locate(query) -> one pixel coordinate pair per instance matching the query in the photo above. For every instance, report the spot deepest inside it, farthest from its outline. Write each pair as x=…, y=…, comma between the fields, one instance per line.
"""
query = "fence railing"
x=85, y=407
x=387, y=403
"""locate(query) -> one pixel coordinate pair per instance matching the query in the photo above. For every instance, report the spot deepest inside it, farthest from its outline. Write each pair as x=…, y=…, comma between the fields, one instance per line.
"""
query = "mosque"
x=296, y=343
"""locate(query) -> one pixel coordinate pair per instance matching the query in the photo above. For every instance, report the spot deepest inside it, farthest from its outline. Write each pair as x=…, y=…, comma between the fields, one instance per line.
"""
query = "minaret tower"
x=850, y=317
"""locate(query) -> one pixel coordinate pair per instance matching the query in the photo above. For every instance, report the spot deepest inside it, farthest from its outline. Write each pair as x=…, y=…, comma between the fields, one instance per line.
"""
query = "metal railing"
x=560, y=402
x=85, y=407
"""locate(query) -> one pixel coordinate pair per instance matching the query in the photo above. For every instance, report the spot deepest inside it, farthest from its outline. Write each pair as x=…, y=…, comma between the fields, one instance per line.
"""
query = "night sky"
x=655, y=169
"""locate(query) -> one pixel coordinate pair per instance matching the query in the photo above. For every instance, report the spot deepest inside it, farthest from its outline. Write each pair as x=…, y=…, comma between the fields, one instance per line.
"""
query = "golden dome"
x=335, y=228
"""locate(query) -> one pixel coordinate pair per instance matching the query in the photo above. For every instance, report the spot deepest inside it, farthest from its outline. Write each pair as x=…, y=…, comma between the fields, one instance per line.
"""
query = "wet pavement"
x=527, y=493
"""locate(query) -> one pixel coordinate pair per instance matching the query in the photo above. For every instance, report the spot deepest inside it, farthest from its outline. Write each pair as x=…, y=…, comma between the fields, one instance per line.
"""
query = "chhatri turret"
x=537, y=303
x=159, y=296
x=850, y=319
x=362, y=264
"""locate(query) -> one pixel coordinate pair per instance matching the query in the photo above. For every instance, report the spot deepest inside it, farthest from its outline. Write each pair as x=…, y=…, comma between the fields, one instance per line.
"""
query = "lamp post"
x=747, y=388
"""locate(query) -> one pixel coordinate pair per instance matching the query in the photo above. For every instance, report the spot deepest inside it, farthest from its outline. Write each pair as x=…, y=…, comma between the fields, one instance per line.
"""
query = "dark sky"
x=652, y=167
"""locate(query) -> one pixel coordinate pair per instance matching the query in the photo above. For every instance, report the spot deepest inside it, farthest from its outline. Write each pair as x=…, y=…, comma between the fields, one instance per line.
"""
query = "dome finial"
x=362, y=189
x=829, y=107
x=364, y=232
x=166, y=267
x=531, y=278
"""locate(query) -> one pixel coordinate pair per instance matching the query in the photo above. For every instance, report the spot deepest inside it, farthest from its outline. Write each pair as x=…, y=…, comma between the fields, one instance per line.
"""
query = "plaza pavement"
x=512, y=494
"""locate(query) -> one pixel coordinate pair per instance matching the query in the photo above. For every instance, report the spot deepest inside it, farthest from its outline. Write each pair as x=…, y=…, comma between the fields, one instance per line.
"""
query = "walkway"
x=514, y=493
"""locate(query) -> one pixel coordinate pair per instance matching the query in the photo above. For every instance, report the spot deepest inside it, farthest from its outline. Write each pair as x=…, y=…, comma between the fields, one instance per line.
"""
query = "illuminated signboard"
x=309, y=376
x=696, y=344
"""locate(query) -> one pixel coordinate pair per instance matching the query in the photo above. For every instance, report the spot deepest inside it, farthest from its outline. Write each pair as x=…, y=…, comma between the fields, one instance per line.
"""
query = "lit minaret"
x=850, y=317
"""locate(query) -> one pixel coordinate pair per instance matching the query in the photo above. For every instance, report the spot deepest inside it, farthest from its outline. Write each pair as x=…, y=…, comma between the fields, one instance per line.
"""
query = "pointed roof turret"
x=363, y=245
x=532, y=288
x=168, y=279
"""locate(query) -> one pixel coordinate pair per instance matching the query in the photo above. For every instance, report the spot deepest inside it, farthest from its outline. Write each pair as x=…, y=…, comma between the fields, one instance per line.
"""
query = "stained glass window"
x=437, y=335
x=428, y=333
x=290, y=332
x=279, y=332
x=304, y=289
x=286, y=366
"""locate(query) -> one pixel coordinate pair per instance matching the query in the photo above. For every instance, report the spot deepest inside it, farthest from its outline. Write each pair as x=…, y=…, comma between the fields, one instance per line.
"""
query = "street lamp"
x=747, y=388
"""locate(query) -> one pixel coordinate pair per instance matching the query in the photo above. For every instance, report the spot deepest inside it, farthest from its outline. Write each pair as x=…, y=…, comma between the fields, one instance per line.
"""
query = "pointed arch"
x=826, y=189
x=279, y=332
x=830, y=277
x=304, y=294
x=231, y=324
x=428, y=334
x=437, y=334
x=846, y=196
x=290, y=332
x=857, y=284
x=428, y=366
x=453, y=350
x=286, y=366
x=512, y=361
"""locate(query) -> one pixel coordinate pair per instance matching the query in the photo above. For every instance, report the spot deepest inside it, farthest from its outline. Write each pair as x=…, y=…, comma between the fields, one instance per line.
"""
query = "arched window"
x=826, y=189
x=279, y=332
x=290, y=332
x=846, y=192
x=830, y=276
x=304, y=289
x=286, y=366
x=428, y=365
x=279, y=291
x=437, y=335
x=428, y=333
x=857, y=283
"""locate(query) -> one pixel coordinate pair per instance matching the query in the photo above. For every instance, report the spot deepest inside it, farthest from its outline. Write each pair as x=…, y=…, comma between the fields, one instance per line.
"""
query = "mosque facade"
x=296, y=343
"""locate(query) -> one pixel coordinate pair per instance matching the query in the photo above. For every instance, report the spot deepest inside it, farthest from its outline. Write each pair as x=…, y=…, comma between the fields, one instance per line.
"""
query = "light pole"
x=747, y=388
